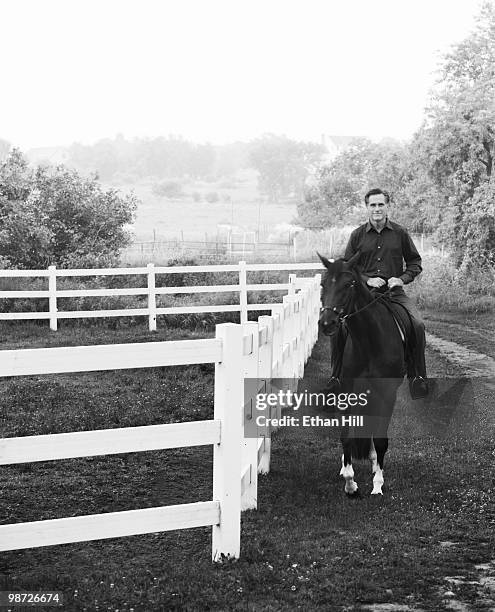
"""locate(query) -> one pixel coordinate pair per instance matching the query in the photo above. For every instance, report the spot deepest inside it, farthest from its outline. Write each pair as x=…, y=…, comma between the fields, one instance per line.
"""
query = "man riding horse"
x=384, y=246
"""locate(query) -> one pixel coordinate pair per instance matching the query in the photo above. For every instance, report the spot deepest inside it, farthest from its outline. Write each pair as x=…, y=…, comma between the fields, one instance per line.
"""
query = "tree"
x=456, y=144
x=283, y=164
x=51, y=215
x=477, y=227
x=336, y=194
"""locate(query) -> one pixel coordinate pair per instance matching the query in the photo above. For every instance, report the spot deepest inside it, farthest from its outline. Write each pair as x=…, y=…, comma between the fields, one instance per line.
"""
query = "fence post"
x=229, y=392
x=52, y=300
x=303, y=302
x=289, y=334
x=265, y=364
x=243, y=291
x=250, y=445
x=308, y=331
x=278, y=314
x=151, y=297
x=296, y=301
x=278, y=317
x=315, y=315
x=292, y=284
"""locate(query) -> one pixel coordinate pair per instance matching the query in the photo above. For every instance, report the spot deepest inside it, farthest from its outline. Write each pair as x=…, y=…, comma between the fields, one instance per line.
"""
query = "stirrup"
x=333, y=385
x=418, y=387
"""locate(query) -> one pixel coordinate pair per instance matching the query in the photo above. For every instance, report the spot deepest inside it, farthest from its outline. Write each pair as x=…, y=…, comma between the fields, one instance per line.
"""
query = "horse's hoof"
x=376, y=491
x=354, y=495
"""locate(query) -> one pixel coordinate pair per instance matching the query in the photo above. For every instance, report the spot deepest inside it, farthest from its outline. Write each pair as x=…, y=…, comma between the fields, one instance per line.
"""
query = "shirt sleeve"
x=352, y=248
x=412, y=259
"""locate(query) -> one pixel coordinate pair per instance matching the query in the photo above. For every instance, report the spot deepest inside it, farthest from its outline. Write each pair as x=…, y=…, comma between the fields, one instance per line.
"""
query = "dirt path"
x=476, y=333
x=471, y=362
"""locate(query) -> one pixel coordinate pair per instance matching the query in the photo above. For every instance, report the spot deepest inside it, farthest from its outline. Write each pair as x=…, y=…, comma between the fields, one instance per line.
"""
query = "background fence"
x=150, y=292
x=293, y=246
x=277, y=345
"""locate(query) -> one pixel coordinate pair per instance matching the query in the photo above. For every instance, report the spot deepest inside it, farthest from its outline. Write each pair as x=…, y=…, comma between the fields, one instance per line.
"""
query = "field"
x=239, y=204
x=426, y=545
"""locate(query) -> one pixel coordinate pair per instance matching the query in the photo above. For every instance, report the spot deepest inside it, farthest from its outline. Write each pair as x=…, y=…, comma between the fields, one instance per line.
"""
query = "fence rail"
x=151, y=291
x=277, y=345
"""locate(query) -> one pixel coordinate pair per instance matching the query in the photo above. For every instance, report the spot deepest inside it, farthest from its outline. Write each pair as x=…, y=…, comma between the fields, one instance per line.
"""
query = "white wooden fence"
x=53, y=293
x=276, y=346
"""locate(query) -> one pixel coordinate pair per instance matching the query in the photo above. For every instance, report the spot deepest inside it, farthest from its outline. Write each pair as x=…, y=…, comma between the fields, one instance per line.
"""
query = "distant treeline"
x=282, y=164
x=160, y=157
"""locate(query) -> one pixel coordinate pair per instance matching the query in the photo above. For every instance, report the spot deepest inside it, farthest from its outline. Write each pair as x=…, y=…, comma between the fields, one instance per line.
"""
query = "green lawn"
x=306, y=547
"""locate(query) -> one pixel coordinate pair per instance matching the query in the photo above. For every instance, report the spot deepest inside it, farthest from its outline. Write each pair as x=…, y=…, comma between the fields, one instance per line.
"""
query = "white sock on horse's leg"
x=372, y=456
x=377, y=482
x=348, y=473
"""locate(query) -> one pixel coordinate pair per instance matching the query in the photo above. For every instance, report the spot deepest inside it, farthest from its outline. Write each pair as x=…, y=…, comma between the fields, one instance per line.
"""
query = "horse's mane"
x=337, y=268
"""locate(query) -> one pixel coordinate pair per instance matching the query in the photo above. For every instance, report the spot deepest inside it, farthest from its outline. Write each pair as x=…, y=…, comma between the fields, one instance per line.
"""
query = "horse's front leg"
x=347, y=472
x=377, y=454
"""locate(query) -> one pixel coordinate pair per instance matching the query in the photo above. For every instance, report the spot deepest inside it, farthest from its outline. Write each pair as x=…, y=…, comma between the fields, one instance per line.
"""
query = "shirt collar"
x=388, y=225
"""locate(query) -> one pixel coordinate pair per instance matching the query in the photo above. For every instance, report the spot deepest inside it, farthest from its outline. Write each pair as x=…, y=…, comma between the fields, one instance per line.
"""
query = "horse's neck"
x=376, y=349
x=367, y=326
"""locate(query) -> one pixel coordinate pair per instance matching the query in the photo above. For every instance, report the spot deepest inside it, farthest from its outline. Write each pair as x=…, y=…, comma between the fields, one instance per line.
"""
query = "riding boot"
x=418, y=383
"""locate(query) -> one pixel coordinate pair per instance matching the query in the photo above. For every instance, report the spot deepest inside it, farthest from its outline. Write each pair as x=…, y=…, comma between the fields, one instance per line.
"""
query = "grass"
x=307, y=547
x=166, y=218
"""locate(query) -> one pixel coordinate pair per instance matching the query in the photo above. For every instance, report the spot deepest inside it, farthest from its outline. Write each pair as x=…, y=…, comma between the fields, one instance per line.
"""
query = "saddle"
x=404, y=322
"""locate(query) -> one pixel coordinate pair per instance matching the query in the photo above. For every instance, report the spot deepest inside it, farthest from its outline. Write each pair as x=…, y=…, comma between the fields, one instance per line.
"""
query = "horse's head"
x=338, y=287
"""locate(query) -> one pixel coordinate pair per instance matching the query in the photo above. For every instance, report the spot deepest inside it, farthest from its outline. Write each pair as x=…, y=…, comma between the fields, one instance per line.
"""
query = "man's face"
x=377, y=208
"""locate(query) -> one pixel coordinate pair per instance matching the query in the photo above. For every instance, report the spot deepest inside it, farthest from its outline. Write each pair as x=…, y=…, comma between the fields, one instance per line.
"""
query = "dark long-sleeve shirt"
x=384, y=253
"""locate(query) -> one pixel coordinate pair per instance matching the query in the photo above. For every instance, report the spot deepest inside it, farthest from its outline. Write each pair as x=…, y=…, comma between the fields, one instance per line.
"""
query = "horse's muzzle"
x=329, y=327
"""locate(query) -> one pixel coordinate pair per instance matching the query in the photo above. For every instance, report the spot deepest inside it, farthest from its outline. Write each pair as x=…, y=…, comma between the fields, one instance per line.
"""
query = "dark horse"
x=373, y=363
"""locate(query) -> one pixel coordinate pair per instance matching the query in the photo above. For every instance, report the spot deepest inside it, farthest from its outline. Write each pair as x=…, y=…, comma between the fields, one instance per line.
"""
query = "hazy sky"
x=219, y=70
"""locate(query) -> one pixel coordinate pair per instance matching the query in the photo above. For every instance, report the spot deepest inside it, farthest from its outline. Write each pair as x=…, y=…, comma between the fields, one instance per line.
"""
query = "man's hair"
x=377, y=192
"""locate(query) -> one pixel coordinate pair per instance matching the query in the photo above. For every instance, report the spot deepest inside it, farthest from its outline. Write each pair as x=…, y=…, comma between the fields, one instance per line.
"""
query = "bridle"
x=340, y=311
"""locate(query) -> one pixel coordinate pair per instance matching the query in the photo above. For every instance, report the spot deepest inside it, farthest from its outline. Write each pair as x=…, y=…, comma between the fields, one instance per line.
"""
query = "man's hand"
x=376, y=282
x=395, y=282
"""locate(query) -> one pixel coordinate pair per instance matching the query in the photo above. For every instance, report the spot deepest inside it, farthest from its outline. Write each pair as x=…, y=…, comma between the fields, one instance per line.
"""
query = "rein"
x=378, y=297
x=351, y=314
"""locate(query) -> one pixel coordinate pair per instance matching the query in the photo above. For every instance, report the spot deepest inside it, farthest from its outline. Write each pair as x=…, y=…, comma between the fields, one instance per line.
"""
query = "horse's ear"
x=352, y=262
x=327, y=263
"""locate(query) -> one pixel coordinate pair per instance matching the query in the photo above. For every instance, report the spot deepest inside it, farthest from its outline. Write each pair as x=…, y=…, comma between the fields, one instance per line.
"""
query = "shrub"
x=442, y=286
x=211, y=197
x=51, y=215
x=168, y=189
